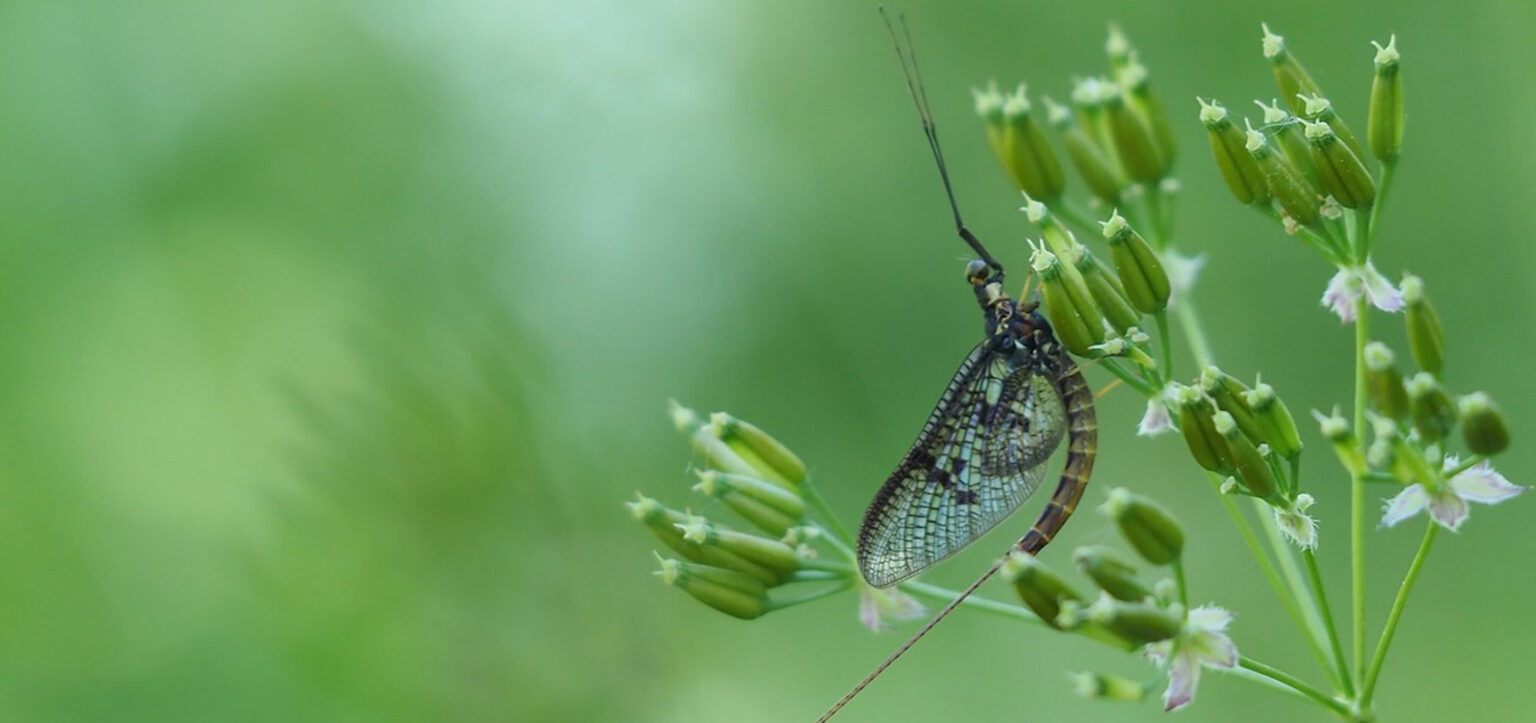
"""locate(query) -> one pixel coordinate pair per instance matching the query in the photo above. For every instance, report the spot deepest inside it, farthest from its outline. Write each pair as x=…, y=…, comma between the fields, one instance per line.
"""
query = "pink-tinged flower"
x=1350, y=284
x=877, y=606
x=1202, y=643
x=1448, y=505
x=1156, y=421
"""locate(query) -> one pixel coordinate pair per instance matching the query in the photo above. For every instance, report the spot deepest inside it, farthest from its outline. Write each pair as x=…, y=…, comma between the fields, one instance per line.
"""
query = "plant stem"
x=1294, y=684
x=1164, y=349
x=1286, y=599
x=779, y=603
x=1368, y=688
x=834, y=523
x=1178, y=577
x=1075, y=215
x=1341, y=666
x=1286, y=558
x=1384, y=184
x=1189, y=320
x=1134, y=381
x=1357, y=492
x=976, y=602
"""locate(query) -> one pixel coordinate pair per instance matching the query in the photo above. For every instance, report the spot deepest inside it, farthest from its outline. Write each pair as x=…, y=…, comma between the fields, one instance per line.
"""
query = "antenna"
x=907, y=56
x=910, y=642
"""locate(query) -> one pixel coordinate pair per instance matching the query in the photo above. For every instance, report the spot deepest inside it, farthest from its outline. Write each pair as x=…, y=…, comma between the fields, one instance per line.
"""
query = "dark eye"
x=977, y=272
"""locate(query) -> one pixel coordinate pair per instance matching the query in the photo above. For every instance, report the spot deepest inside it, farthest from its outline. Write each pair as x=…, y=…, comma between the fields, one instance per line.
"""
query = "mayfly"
x=984, y=448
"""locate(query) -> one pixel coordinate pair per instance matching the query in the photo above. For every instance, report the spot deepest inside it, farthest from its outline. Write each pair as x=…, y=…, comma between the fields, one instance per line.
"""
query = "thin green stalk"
x=975, y=602
x=1470, y=462
x=1072, y=214
x=835, y=524
x=1294, y=684
x=1383, y=184
x=1164, y=349
x=1134, y=381
x=1357, y=492
x=1189, y=320
x=1368, y=688
x=1178, y=577
x=1298, y=587
x=1341, y=666
x=779, y=603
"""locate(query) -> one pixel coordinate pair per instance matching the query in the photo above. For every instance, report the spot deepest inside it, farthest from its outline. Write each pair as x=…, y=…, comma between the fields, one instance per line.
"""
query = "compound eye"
x=977, y=272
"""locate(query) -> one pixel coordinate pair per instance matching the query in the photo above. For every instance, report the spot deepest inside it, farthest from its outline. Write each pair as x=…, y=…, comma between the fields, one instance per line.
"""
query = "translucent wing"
x=979, y=456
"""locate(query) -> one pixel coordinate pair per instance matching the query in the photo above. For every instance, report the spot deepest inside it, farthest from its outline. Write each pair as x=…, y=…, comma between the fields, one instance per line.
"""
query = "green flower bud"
x=728, y=591
x=1246, y=459
x=771, y=554
x=1320, y=109
x=1286, y=129
x=1385, y=382
x=767, y=455
x=1141, y=274
x=1345, y=444
x=1481, y=424
x=1227, y=392
x=1433, y=413
x=1344, y=176
x=1057, y=235
x=1425, y=338
x=664, y=523
x=1275, y=421
x=1118, y=48
x=1137, y=622
x=1098, y=686
x=1076, y=330
x=1149, y=528
x=1205, y=444
x=1107, y=292
x=1384, y=131
x=1285, y=182
x=1091, y=163
x=1238, y=168
x=1112, y=574
x=1030, y=160
x=1136, y=85
x=1292, y=79
x=1133, y=138
x=1041, y=590
x=767, y=506
x=989, y=105
x=1090, y=96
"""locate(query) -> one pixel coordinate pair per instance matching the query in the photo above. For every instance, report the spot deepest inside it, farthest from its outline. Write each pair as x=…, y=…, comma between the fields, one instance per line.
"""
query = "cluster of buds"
x=1116, y=133
x=1248, y=437
x=1413, y=419
x=760, y=480
x=1126, y=612
x=1095, y=311
x=1303, y=159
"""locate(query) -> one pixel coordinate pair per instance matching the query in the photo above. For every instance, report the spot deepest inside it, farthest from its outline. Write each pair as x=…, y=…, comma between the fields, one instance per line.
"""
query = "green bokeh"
x=337, y=332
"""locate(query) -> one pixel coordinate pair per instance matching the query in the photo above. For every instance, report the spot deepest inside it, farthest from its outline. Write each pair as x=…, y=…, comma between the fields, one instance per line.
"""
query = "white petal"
x=1183, y=676
x=1382, y=293
x=1341, y=293
x=1448, y=509
x=869, y=612
x=1215, y=650
x=1156, y=421
x=1209, y=619
x=1298, y=526
x=1406, y=504
x=1482, y=483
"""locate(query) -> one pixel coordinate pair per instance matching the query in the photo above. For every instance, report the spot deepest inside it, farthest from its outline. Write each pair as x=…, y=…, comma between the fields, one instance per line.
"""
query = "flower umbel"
x=1350, y=284
x=1448, y=504
x=1203, y=642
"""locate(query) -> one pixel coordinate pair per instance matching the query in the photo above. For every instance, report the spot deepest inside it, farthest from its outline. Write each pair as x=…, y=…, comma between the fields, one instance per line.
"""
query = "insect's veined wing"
x=980, y=455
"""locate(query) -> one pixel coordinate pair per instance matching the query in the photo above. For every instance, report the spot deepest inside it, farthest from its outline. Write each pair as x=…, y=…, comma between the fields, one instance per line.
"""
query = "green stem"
x=1076, y=216
x=1286, y=558
x=1384, y=184
x=1294, y=684
x=1471, y=462
x=1340, y=665
x=1189, y=320
x=779, y=603
x=1357, y=492
x=1368, y=688
x=834, y=523
x=1178, y=577
x=1281, y=591
x=975, y=602
x=1164, y=349
x=1131, y=379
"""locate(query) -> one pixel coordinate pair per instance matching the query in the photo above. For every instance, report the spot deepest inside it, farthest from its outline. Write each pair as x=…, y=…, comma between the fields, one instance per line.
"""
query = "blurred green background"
x=336, y=332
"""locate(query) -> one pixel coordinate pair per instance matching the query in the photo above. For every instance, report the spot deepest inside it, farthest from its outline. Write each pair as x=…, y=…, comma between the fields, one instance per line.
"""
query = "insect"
x=984, y=449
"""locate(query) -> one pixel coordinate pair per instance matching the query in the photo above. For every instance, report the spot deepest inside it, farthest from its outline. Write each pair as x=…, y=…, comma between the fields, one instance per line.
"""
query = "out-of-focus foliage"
x=335, y=332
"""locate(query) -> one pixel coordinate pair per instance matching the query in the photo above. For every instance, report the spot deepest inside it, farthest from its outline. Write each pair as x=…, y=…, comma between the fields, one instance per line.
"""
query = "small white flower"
x=877, y=606
x=1156, y=421
x=1202, y=642
x=1448, y=505
x=1350, y=284
x=1297, y=524
x=1182, y=271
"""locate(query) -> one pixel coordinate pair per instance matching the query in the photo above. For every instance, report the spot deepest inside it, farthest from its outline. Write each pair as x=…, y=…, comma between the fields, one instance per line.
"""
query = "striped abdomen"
x=1082, y=445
